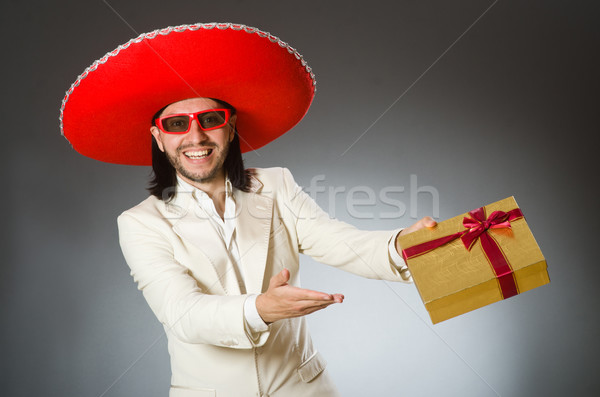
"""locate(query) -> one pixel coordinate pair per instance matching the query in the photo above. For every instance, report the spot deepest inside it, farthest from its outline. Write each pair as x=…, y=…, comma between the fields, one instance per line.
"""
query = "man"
x=215, y=248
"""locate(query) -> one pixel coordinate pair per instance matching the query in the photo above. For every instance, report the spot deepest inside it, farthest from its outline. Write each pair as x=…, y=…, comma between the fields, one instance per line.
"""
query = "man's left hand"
x=423, y=223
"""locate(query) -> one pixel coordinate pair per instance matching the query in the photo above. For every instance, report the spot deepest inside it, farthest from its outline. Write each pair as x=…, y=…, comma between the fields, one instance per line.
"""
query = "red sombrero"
x=106, y=114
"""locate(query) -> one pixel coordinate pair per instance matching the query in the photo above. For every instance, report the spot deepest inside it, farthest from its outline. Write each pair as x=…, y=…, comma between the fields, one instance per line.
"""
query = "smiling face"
x=197, y=155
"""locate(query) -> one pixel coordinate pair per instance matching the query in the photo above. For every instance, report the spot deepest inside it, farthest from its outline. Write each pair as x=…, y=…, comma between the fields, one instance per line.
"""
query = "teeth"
x=198, y=154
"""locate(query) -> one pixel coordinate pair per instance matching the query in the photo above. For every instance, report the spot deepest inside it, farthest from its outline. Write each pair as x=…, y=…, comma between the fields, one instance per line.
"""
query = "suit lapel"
x=253, y=228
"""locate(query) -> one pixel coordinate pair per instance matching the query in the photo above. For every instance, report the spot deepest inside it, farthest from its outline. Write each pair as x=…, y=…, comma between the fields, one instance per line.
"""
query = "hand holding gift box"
x=475, y=259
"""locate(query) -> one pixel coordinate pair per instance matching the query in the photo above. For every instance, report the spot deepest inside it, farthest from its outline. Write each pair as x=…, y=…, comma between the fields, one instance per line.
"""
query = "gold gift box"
x=453, y=280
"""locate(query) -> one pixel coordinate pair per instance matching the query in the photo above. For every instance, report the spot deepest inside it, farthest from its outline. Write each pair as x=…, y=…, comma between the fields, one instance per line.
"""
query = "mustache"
x=197, y=146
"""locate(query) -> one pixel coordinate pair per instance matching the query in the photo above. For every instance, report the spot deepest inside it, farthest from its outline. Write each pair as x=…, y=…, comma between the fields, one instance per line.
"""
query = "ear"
x=156, y=134
x=232, y=121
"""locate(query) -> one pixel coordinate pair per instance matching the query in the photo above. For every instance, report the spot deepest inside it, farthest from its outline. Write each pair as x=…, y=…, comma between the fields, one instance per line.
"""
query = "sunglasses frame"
x=193, y=116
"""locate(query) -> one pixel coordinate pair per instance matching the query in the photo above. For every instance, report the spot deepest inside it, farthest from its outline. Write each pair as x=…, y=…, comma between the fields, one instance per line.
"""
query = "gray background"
x=510, y=109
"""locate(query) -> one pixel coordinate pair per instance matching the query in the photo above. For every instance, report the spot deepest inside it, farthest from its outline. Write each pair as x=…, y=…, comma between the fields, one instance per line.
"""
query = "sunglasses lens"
x=212, y=119
x=176, y=123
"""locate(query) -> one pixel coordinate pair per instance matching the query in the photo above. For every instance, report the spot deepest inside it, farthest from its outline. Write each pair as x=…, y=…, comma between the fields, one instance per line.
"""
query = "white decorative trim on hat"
x=181, y=28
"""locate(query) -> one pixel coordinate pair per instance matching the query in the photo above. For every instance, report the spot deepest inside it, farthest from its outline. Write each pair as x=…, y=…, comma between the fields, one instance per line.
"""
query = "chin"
x=200, y=177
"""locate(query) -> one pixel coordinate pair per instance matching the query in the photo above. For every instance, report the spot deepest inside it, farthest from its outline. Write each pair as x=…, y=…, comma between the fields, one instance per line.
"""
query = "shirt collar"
x=183, y=186
x=228, y=187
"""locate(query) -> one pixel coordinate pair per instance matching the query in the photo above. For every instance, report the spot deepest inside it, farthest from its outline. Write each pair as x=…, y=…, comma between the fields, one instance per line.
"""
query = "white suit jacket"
x=182, y=267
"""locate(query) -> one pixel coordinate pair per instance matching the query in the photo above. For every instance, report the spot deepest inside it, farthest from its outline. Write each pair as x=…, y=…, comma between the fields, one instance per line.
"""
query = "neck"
x=214, y=188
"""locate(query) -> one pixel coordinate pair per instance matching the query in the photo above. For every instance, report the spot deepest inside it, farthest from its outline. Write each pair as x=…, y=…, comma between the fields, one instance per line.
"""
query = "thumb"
x=280, y=278
x=428, y=222
x=422, y=223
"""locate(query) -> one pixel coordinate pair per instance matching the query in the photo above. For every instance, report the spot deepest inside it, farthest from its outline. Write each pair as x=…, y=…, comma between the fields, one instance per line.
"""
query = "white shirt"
x=225, y=228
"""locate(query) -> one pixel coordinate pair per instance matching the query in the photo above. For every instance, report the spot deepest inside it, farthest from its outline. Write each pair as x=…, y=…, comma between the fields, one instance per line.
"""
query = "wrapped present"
x=472, y=260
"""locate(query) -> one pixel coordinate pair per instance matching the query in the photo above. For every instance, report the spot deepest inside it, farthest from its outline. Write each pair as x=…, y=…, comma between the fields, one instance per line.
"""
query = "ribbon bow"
x=478, y=225
x=476, y=228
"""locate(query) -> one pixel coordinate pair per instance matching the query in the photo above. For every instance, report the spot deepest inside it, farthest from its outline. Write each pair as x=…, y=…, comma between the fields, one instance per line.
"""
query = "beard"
x=199, y=177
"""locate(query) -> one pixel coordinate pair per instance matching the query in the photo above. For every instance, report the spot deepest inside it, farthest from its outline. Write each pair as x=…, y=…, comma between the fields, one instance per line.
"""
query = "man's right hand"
x=285, y=301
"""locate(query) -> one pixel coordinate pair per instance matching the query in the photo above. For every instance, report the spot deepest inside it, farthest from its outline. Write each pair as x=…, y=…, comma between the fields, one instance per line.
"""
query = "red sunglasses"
x=180, y=123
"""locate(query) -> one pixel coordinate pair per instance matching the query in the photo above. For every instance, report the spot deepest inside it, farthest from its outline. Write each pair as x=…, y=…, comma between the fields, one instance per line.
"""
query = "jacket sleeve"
x=336, y=243
x=175, y=296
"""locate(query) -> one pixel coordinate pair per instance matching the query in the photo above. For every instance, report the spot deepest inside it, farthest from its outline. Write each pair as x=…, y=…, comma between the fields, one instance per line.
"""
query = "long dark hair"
x=164, y=177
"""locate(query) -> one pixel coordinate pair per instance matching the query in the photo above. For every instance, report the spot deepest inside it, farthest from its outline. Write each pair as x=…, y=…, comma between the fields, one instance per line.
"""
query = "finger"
x=422, y=223
x=309, y=295
x=339, y=298
x=428, y=222
x=319, y=304
x=280, y=279
x=285, y=275
x=311, y=306
x=313, y=296
x=314, y=308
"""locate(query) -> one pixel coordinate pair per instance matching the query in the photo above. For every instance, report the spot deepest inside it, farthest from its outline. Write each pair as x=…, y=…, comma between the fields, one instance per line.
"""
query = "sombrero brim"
x=107, y=112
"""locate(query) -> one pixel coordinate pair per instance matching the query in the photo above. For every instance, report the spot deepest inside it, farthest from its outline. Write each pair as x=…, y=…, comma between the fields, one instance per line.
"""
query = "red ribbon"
x=477, y=229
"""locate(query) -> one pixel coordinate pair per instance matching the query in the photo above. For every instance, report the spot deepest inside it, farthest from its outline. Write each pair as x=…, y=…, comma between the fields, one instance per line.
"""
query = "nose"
x=196, y=133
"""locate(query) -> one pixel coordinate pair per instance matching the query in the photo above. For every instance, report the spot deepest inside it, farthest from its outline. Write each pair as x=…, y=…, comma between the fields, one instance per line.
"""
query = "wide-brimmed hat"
x=107, y=112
